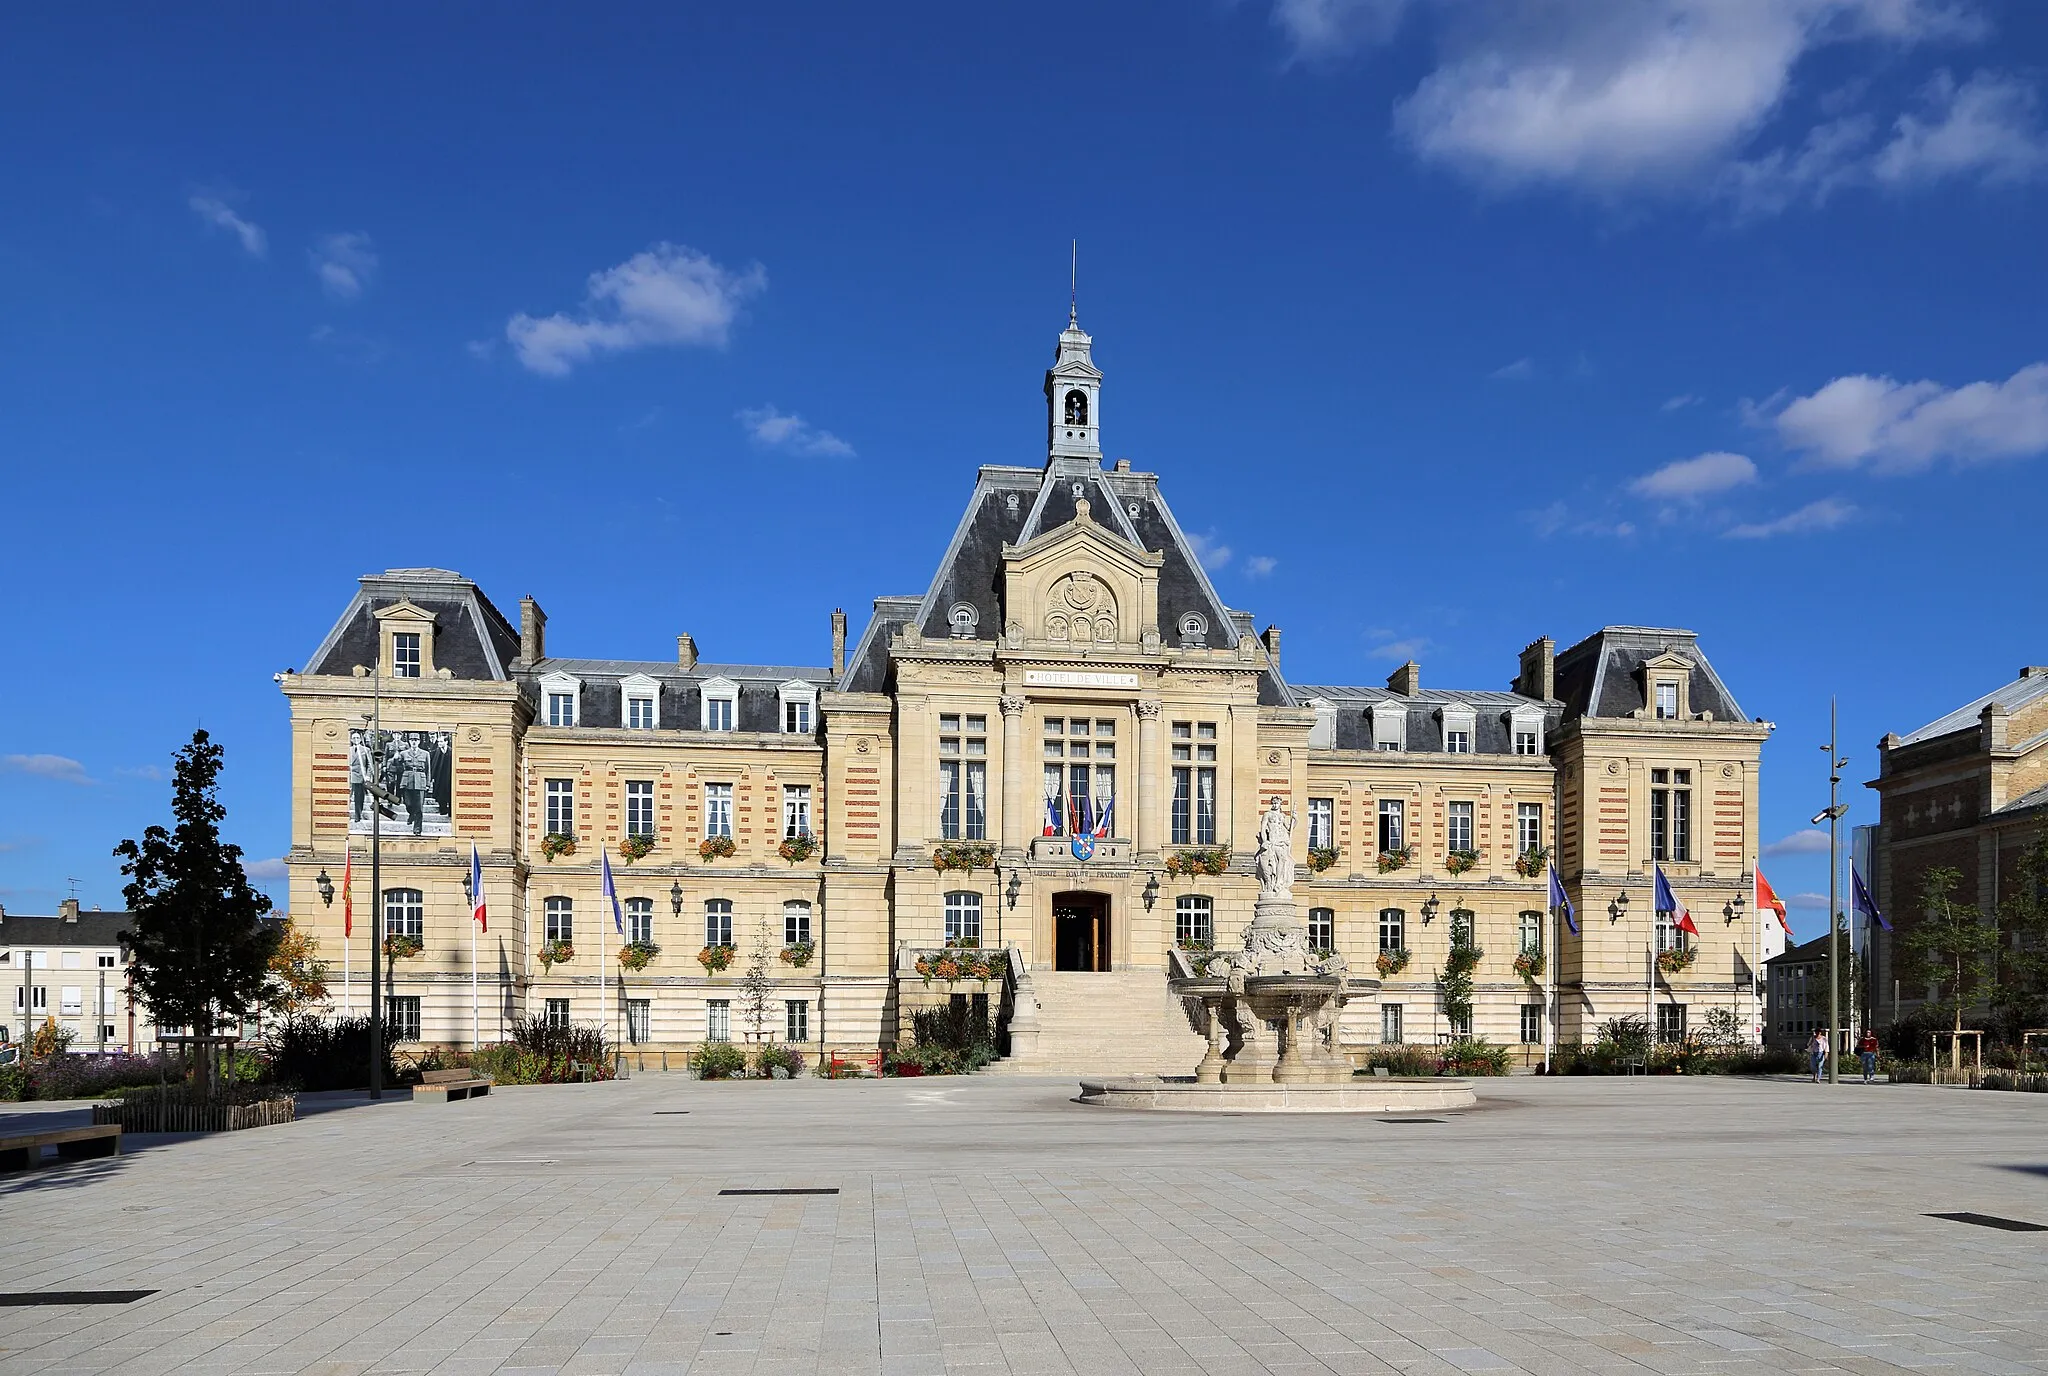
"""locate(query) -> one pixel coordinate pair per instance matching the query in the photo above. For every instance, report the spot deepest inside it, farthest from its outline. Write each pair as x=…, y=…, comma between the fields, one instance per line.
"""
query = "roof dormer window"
x=799, y=702
x=1525, y=730
x=405, y=654
x=405, y=641
x=1389, y=726
x=1667, y=700
x=721, y=701
x=639, y=703
x=1458, y=731
x=561, y=699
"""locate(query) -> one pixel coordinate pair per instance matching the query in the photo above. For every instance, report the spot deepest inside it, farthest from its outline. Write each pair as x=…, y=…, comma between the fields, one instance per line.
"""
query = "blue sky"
x=1448, y=323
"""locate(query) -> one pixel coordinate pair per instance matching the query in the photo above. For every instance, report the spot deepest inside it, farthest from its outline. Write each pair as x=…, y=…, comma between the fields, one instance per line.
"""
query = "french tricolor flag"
x=1667, y=902
x=476, y=888
x=1052, y=815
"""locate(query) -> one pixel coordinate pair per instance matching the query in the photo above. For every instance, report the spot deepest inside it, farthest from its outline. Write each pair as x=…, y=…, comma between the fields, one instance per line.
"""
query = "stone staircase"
x=1121, y=1022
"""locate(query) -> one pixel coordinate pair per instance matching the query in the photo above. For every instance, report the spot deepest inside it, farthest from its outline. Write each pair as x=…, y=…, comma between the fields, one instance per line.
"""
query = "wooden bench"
x=439, y=1086
x=24, y=1151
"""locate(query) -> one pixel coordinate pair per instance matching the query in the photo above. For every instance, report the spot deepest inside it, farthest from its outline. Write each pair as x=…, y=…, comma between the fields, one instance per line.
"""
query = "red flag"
x=348, y=901
x=1767, y=897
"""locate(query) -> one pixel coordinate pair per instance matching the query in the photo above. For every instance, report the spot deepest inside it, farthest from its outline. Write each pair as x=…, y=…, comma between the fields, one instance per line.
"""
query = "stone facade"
x=1070, y=659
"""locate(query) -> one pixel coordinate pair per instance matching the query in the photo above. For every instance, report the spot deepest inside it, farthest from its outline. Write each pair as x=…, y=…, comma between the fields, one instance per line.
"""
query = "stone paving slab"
x=992, y=1225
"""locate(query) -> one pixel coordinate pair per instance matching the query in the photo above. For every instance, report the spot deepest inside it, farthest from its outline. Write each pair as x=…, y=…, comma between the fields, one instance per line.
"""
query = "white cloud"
x=1259, y=565
x=1803, y=842
x=216, y=212
x=61, y=768
x=669, y=294
x=771, y=429
x=1561, y=518
x=1817, y=901
x=1521, y=370
x=481, y=349
x=1984, y=128
x=344, y=263
x=1679, y=403
x=1901, y=426
x=260, y=870
x=1326, y=28
x=1414, y=647
x=1825, y=514
x=1689, y=479
x=1209, y=552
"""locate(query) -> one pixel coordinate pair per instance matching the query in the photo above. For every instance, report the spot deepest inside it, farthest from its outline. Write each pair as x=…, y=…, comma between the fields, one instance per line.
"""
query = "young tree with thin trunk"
x=2022, y=974
x=1948, y=948
x=201, y=948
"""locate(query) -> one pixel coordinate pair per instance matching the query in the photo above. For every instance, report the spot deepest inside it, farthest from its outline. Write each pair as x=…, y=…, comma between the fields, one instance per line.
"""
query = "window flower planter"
x=557, y=843
x=1210, y=860
x=799, y=953
x=797, y=849
x=401, y=947
x=715, y=958
x=1531, y=862
x=969, y=856
x=716, y=848
x=1460, y=861
x=1531, y=965
x=553, y=953
x=1676, y=959
x=636, y=848
x=1321, y=858
x=634, y=955
x=1393, y=962
x=1391, y=860
x=955, y=964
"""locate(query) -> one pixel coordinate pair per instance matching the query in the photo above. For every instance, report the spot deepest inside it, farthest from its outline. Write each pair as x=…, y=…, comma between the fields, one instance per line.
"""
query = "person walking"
x=1817, y=1053
x=1866, y=1051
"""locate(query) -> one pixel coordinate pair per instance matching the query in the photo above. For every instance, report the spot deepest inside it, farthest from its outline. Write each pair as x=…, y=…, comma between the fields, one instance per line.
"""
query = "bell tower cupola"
x=1073, y=397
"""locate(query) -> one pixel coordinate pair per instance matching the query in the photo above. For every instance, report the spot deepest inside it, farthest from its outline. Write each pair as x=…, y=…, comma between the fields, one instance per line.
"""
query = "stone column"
x=1015, y=832
x=1150, y=769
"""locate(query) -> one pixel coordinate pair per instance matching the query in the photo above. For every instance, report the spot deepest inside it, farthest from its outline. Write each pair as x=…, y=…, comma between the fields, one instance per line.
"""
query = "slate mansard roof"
x=759, y=707
x=37, y=929
x=1492, y=724
x=2031, y=686
x=1597, y=677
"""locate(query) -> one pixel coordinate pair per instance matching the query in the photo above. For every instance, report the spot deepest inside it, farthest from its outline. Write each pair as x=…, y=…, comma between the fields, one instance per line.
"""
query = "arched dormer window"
x=1077, y=408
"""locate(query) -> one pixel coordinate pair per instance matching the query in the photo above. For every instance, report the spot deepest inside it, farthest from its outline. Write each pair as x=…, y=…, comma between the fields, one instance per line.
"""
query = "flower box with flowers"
x=634, y=955
x=716, y=848
x=1391, y=860
x=1460, y=861
x=799, y=953
x=716, y=958
x=964, y=855
x=798, y=848
x=1676, y=959
x=1321, y=858
x=1530, y=862
x=399, y=946
x=1391, y=963
x=1210, y=860
x=636, y=847
x=557, y=843
x=553, y=953
x=1530, y=965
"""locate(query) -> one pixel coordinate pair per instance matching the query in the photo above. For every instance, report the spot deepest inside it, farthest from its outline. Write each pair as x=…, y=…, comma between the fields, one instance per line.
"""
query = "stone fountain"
x=1271, y=1009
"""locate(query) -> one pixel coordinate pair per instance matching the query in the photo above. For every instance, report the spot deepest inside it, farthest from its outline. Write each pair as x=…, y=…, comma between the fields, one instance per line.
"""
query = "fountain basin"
x=1372, y=1094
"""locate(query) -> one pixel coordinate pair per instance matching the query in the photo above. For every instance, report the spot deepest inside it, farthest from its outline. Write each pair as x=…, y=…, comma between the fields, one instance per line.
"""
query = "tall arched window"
x=640, y=920
x=718, y=922
x=1194, y=922
x=963, y=918
x=560, y=919
x=404, y=912
x=1077, y=408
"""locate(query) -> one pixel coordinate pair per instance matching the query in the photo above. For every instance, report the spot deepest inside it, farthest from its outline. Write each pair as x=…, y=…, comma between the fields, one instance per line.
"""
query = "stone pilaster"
x=1151, y=772
x=1016, y=816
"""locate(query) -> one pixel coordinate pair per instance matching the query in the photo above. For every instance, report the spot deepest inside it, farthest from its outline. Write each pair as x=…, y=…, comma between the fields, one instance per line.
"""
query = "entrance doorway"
x=1080, y=931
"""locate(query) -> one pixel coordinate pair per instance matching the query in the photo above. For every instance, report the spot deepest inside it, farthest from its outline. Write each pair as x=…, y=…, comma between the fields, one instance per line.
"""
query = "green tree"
x=201, y=949
x=298, y=977
x=1949, y=948
x=2021, y=976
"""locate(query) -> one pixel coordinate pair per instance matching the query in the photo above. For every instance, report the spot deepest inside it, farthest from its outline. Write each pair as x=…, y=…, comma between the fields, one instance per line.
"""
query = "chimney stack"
x=1406, y=680
x=686, y=650
x=533, y=632
x=1538, y=676
x=1272, y=639
x=68, y=910
x=1991, y=726
x=838, y=642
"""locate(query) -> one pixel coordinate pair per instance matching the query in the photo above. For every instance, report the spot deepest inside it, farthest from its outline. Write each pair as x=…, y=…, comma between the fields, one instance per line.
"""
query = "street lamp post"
x=1833, y=815
x=379, y=741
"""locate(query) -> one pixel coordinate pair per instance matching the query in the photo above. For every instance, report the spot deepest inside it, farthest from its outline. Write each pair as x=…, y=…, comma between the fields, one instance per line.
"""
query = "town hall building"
x=1033, y=782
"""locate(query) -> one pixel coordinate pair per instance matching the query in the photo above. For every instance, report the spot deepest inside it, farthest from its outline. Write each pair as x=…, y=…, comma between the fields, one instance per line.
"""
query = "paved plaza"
x=990, y=1225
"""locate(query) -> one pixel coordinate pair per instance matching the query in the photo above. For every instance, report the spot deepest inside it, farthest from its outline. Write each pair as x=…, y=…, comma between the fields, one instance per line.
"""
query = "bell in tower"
x=1073, y=397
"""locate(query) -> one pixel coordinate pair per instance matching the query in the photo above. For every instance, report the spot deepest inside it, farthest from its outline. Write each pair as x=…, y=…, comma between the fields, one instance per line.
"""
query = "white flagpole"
x=473, y=1041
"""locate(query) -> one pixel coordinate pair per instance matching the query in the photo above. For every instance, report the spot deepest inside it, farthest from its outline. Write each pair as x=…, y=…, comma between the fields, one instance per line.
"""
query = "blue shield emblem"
x=1083, y=847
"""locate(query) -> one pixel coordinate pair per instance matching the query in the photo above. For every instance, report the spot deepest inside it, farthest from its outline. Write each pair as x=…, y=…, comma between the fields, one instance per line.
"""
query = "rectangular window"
x=1183, y=821
x=718, y=1020
x=1194, y=783
x=796, y=1020
x=1667, y=701
x=718, y=922
x=963, y=919
x=1393, y=929
x=1393, y=819
x=1532, y=932
x=1525, y=742
x=1194, y=922
x=561, y=709
x=71, y=1001
x=963, y=775
x=796, y=922
x=796, y=717
x=1660, y=813
x=1457, y=742
x=1322, y=824
x=107, y=1032
x=1681, y=815
x=106, y=962
x=640, y=713
x=1670, y=1022
x=717, y=810
x=402, y=1017
x=1390, y=1023
x=405, y=654
x=74, y=960
x=1528, y=827
x=1458, y=832
x=1532, y=1023
x=404, y=913
x=1460, y=1023
x=560, y=919
x=561, y=815
x=639, y=1014
x=796, y=810
x=640, y=920
x=1671, y=936
x=639, y=807
x=718, y=714
x=1322, y=929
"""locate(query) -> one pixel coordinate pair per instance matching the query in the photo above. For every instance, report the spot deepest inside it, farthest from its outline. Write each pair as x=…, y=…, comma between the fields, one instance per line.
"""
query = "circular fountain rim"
x=1389, y=1094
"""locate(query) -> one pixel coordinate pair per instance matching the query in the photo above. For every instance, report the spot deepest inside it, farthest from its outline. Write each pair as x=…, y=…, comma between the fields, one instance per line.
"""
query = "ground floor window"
x=796, y=1020
x=1194, y=926
x=1532, y=1022
x=1390, y=1023
x=1670, y=1022
x=1460, y=1023
x=402, y=1017
x=639, y=1013
x=558, y=1012
x=718, y=1020
x=963, y=919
